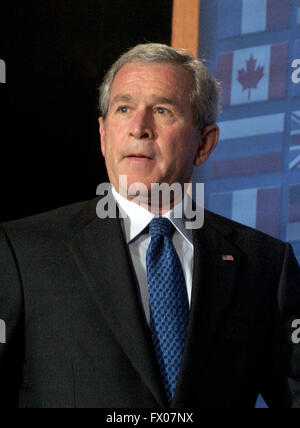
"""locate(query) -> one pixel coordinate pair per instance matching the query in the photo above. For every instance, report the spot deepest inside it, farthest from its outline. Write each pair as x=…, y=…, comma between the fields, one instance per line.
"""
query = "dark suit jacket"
x=77, y=335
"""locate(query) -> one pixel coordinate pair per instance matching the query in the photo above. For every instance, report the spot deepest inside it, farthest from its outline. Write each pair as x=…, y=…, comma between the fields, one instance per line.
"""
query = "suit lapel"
x=214, y=282
x=103, y=258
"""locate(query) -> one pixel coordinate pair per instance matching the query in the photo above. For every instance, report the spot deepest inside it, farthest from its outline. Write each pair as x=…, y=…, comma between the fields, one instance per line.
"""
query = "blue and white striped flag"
x=249, y=146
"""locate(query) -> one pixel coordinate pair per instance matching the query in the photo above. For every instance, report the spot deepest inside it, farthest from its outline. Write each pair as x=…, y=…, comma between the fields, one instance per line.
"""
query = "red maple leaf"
x=250, y=77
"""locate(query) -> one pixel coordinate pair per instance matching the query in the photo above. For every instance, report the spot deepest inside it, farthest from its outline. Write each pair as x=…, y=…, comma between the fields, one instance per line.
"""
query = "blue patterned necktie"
x=169, y=307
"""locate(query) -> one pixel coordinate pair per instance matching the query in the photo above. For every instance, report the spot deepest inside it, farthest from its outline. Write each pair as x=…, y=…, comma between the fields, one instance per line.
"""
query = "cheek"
x=111, y=140
x=103, y=146
x=176, y=147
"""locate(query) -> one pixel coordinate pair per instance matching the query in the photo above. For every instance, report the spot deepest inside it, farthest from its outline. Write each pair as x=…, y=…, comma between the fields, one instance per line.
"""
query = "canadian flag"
x=253, y=74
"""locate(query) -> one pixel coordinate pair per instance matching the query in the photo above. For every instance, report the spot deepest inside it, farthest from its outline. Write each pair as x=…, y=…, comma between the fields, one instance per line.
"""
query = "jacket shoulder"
x=244, y=236
x=59, y=221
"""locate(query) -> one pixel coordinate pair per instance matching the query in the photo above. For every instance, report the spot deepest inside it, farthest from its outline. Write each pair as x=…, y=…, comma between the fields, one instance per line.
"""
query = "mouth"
x=138, y=157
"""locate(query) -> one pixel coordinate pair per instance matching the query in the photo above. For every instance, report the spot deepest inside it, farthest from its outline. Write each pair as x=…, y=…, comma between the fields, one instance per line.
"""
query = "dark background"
x=56, y=53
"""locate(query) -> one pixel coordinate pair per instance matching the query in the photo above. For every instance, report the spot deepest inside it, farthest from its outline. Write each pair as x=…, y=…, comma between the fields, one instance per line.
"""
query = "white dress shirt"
x=137, y=237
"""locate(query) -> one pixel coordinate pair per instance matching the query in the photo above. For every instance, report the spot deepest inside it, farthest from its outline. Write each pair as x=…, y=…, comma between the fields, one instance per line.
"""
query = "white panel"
x=254, y=16
x=244, y=207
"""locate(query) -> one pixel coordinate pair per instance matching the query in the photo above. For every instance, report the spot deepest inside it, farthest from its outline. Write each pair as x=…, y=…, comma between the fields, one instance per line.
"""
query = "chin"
x=139, y=188
x=131, y=187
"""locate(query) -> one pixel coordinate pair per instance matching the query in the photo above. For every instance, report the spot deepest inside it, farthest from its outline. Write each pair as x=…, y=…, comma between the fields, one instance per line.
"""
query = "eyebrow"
x=168, y=101
x=156, y=99
x=121, y=98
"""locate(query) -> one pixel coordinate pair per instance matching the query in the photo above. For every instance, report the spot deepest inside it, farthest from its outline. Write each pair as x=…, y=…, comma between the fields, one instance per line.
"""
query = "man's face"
x=149, y=133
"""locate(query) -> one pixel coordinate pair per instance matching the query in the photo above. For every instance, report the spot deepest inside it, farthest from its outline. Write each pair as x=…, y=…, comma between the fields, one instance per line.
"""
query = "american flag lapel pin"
x=227, y=258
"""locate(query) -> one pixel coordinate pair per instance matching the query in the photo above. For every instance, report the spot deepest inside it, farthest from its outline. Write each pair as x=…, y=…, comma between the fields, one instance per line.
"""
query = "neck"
x=158, y=203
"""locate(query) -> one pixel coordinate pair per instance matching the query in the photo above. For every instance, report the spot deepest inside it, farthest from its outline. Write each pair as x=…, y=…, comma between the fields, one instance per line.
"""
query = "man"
x=140, y=310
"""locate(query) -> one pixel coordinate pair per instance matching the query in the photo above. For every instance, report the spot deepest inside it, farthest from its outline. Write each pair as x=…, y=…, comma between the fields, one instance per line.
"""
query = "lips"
x=138, y=156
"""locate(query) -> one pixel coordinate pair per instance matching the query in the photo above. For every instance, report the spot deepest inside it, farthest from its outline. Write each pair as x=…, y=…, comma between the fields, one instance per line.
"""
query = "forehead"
x=153, y=79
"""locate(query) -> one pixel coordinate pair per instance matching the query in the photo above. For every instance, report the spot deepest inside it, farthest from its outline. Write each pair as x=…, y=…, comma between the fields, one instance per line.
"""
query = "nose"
x=141, y=126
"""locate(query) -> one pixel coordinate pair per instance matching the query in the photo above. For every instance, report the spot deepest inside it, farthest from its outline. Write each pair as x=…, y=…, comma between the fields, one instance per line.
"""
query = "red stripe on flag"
x=278, y=68
x=224, y=75
x=248, y=165
x=294, y=213
x=278, y=14
x=268, y=211
x=295, y=140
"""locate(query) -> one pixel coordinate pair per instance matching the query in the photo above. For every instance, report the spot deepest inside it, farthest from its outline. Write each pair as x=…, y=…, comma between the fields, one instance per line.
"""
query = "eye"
x=161, y=110
x=123, y=109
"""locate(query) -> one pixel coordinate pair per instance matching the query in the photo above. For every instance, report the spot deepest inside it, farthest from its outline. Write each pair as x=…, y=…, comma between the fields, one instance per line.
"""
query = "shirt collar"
x=137, y=218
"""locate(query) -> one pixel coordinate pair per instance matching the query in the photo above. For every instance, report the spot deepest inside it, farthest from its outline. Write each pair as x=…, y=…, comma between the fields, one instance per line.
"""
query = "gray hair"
x=205, y=94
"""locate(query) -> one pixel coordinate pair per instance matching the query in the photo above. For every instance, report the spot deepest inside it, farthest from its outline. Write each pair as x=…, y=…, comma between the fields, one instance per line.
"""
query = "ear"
x=208, y=141
x=102, y=135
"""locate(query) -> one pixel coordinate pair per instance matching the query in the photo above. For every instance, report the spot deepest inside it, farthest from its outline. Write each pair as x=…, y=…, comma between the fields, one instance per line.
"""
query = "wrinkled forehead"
x=154, y=79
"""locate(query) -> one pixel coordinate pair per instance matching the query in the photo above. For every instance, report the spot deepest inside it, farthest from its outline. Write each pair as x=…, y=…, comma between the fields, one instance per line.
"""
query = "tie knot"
x=160, y=226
